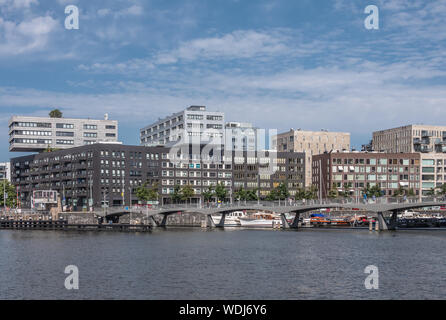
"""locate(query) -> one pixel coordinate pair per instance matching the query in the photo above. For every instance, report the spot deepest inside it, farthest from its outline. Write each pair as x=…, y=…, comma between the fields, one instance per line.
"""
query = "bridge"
x=378, y=207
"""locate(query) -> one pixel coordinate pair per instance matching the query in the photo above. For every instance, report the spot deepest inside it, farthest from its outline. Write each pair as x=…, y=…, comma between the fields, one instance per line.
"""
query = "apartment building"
x=428, y=140
x=5, y=171
x=351, y=172
x=411, y=138
x=193, y=125
x=110, y=173
x=36, y=134
x=311, y=143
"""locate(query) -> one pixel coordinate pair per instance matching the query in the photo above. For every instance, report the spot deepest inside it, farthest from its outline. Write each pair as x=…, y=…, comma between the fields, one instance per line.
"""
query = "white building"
x=195, y=124
x=35, y=134
x=5, y=171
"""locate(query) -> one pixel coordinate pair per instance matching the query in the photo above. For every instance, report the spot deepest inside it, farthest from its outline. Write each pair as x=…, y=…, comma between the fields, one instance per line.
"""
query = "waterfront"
x=223, y=264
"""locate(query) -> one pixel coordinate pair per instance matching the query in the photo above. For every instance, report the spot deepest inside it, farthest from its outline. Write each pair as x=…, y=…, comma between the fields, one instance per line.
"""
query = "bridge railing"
x=278, y=203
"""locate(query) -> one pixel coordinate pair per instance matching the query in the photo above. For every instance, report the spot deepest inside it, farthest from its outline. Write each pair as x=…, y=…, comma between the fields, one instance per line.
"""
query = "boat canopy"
x=317, y=215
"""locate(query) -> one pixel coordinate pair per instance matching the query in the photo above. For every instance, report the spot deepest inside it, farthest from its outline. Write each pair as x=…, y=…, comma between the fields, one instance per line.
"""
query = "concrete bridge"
x=378, y=208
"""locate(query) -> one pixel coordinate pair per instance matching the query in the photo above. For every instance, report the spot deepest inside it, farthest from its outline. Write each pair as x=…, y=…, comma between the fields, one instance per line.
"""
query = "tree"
x=56, y=113
x=142, y=193
x=176, y=195
x=240, y=194
x=282, y=191
x=311, y=193
x=442, y=189
x=11, y=200
x=333, y=193
x=147, y=194
x=272, y=196
x=372, y=191
x=187, y=192
x=431, y=192
x=300, y=194
x=251, y=195
x=221, y=192
x=208, y=194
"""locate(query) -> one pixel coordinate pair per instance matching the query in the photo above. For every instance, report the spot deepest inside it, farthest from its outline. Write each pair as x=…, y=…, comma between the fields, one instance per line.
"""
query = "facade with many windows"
x=351, y=172
x=311, y=143
x=193, y=125
x=429, y=141
x=35, y=134
x=111, y=173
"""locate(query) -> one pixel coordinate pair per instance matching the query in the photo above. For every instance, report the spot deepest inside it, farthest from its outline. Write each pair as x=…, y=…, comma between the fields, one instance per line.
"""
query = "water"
x=239, y=264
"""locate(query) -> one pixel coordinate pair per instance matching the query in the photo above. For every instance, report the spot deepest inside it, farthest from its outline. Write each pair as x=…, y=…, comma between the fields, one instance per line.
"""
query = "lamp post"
x=130, y=203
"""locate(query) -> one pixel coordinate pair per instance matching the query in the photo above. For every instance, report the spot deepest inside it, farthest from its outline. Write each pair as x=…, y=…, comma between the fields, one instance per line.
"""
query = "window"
x=90, y=134
x=90, y=127
x=110, y=127
x=64, y=134
x=64, y=125
x=68, y=142
x=110, y=135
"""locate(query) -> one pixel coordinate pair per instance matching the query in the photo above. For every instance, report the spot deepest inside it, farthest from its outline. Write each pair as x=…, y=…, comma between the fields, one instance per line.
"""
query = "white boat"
x=232, y=219
x=261, y=220
x=408, y=214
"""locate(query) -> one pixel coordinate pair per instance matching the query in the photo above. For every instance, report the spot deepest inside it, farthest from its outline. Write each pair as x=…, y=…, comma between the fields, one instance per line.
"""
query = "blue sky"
x=278, y=64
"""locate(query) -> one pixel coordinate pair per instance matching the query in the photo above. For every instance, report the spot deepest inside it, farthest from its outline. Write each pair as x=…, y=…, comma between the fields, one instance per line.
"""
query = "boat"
x=408, y=214
x=232, y=219
x=261, y=220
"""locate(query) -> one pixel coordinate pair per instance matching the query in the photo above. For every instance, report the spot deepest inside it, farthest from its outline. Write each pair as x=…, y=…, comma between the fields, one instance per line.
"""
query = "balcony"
x=426, y=149
x=426, y=134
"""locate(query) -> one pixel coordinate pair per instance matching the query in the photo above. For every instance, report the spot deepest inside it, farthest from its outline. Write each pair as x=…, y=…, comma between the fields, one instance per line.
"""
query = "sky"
x=279, y=64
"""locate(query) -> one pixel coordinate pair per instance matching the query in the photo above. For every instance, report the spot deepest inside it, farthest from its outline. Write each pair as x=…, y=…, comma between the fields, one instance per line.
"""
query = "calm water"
x=240, y=264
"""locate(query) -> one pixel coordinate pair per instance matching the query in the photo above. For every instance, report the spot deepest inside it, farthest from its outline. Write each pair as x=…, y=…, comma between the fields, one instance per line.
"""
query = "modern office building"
x=193, y=125
x=5, y=171
x=352, y=171
x=429, y=141
x=110, y=173
x=311, y=143
x=36, y=134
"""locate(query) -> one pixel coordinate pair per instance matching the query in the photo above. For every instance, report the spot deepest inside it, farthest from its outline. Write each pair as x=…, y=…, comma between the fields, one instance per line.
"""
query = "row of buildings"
x=197, y=147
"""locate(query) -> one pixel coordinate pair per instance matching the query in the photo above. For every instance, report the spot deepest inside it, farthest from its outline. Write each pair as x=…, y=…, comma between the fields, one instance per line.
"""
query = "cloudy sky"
x=277, y=63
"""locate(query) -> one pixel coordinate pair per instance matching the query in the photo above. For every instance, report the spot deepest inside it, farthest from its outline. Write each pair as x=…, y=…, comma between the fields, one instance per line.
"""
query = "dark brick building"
x=112, y=172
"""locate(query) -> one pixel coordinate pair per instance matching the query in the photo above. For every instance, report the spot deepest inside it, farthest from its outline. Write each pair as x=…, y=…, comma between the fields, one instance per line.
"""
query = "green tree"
x=372, y=191
x=221, y=192
x=11, y=199
x=272, y=196
x=300, y=194
x=442, y=189
x=208, y=194
x=333, y=193
x=282, y=191
x=240, y=194
x=176, y=196
x=311, y=193
x=143, y=193
x=187, y=192
x=251, y=195
x=431, y=192
x=56, y=113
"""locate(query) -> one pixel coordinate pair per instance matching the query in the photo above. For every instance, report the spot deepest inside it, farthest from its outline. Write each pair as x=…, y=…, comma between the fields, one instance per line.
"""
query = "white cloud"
x=26, y=36
x=238, y=44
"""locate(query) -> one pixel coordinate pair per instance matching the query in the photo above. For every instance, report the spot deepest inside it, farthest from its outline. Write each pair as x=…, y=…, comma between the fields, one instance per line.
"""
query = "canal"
x=223, y=264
